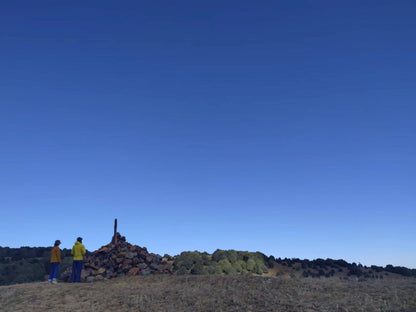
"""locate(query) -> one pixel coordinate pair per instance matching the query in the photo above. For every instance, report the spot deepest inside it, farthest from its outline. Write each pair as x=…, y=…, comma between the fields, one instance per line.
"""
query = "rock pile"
x=114, y=260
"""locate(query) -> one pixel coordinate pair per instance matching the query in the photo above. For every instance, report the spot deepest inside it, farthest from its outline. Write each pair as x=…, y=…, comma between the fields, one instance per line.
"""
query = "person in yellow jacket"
x=55, y=260
x=78, y=251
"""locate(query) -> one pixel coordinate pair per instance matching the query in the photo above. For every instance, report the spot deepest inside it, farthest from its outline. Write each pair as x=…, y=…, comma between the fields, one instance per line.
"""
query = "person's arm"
x=73, y=251
x=58, y=254
x=83, y=250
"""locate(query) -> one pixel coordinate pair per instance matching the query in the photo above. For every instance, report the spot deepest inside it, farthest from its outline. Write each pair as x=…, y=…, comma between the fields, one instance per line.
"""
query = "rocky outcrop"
x=114, y=260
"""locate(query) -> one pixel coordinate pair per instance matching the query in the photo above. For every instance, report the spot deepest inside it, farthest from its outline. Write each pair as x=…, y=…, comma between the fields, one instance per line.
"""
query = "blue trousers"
x=54, y=271
x=76, y=270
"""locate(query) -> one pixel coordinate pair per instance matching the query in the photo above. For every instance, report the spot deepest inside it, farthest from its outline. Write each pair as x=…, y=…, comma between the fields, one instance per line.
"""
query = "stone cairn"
x=119, y=258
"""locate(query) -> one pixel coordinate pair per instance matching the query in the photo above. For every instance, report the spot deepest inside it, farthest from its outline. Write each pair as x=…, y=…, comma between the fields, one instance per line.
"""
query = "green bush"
x=226, y=267
x=182, y=271
x=187, y=259
x=213, y=269
x=206, y=259
x=251, y=265
x=198, y=269
x=218, y=255
x=238, y=266
x=230, y=255
x=243, y=265
x=260, y=268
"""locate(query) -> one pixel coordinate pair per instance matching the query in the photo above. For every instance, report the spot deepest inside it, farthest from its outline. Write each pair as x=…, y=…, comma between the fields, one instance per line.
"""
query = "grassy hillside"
x=214, y=293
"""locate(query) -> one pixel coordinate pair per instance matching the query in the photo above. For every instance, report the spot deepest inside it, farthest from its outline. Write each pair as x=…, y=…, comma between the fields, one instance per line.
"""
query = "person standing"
x=55, y=260
x=78, y=251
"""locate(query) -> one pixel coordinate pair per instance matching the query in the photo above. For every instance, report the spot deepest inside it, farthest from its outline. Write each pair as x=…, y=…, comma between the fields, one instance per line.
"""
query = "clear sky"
x=286, y=127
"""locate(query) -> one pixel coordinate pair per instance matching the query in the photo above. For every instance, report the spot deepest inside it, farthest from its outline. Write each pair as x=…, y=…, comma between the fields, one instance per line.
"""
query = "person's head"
x=79, y=239
x=57, y=242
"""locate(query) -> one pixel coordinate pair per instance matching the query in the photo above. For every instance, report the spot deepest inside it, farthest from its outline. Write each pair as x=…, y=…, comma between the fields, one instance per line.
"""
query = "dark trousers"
x=76, y=271
x=54, y=271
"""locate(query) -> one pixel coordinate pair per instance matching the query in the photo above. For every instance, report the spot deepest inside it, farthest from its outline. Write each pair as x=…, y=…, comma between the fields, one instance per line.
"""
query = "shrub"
x=260, y=268
x=251, y=264
x=187, y=259
x=237, y=266
x=226, y=267
x=230, y=255
x=376, y=268
x=355, y=270
x=270, y=262
x=182, y=271
x=243, y=265
x=212, y=269
x=205, y=258
x=218, y=255
x=400, y=270
x=198, y=269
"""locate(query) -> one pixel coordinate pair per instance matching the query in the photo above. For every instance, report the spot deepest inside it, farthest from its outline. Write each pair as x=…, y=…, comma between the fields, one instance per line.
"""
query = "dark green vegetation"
x=26, y=264
x=227, y=293
x=243, y=262
x=221, y=261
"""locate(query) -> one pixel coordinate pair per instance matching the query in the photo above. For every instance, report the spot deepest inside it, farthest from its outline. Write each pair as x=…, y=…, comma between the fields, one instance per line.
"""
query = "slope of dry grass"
x=213, y=293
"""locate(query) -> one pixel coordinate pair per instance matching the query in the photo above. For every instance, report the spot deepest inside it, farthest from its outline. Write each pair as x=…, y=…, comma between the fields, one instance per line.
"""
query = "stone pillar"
x=115, y=232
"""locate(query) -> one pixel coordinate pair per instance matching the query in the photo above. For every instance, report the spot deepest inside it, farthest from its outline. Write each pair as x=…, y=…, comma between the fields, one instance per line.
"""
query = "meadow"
x=215, y=293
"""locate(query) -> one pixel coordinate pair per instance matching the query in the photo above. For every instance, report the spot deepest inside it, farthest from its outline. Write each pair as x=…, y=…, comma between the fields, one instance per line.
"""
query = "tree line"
x=28, y=264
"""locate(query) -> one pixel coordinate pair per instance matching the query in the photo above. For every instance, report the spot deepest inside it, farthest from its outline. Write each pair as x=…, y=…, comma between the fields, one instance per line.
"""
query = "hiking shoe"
x=54, y=282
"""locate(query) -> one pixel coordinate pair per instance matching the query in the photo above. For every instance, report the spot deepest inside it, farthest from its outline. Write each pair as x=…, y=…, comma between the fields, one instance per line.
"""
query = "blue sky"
x=286, y=127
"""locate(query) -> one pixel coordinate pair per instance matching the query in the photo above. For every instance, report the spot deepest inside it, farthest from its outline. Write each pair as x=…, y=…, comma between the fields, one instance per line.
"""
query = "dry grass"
x=213, y=293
